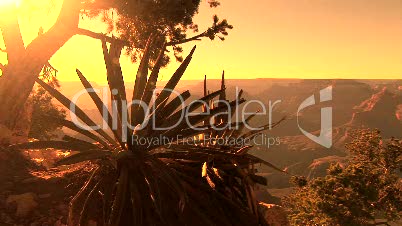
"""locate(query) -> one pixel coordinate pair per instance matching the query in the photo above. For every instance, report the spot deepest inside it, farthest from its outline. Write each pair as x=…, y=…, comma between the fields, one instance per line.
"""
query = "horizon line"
x=228, y=79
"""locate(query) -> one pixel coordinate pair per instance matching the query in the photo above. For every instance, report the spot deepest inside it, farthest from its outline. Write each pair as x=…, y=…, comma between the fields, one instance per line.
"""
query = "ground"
x=32, y=193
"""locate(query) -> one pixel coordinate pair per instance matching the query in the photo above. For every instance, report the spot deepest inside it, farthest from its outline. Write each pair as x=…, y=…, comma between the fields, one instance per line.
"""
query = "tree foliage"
x=366, y=190
x=130, y=24
x=135, y=21
x=46, y=115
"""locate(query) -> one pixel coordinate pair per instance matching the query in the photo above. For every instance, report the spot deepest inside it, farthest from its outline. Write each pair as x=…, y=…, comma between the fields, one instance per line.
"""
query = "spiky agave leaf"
x=88, y=186
x=175, y=103
x=86, y=206
x=177, y=116
x=102, y=108
x=78, y=112
x=140, y=84
x=72, y=126
x=120, y=199
x=171, y=85
x=114, y=74
x=242, y=125
x=194, y=120
x=153, y=78
x=84, y=156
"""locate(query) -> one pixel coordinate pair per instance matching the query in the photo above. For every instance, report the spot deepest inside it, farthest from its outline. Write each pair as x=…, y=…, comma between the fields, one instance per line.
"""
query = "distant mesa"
x=380, y=111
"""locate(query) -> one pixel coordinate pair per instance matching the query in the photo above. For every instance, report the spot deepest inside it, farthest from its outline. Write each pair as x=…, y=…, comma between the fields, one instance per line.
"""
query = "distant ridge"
x=379, y=112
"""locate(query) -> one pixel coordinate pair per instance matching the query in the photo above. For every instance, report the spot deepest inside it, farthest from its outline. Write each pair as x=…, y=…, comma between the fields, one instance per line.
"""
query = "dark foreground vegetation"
x=133, y=184
x=365, y=191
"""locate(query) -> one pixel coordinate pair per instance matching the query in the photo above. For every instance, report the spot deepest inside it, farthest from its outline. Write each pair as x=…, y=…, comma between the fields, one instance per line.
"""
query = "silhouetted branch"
x=109, y=39
x=195, y=38
x=51, y=67
x=51, y=41
x=12, y=37
x=101, y=36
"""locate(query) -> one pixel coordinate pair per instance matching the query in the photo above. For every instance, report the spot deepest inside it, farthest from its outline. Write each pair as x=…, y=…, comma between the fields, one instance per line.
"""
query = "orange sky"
x=271, y=39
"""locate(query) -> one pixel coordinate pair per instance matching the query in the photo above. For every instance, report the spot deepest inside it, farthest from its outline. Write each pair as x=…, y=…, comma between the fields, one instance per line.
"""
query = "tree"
x=25, y=63
x=366, y=190
x=46, y=116
x=168, y=19
x=134, y=21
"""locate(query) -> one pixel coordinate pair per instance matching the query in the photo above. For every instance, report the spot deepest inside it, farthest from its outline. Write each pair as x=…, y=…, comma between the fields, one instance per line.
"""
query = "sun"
x=8, y=2
x=6, y=5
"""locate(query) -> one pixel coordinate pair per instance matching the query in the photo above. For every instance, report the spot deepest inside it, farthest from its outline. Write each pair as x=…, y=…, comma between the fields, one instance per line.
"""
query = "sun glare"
x=7, y=2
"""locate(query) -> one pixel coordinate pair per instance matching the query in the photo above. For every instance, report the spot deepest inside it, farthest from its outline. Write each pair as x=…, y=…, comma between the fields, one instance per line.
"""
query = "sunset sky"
x=271, y=39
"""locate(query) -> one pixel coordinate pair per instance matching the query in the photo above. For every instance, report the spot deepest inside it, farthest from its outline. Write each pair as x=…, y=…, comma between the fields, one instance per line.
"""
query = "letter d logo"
x=325, y=138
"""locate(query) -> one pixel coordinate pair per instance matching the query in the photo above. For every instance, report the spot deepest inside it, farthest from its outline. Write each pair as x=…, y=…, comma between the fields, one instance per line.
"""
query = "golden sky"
x=271, y=39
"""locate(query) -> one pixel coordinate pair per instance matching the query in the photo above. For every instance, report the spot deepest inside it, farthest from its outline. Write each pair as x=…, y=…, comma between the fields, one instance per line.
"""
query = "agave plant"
x=203, y=183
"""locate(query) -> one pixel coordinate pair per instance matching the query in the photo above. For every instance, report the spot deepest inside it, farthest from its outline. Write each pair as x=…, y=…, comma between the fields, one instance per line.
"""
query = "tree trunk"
x=25, y=64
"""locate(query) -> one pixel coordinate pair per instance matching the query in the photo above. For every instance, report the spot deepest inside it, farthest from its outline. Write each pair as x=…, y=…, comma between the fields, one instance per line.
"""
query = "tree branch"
x=46, y=45
x=23, y=72
x=101, y=36
x=2, y=67
x=12, y=36
x=195, y=38
x=51, y=67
